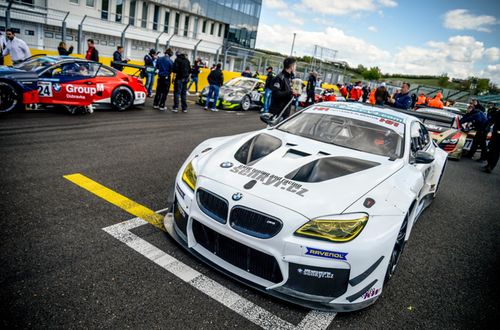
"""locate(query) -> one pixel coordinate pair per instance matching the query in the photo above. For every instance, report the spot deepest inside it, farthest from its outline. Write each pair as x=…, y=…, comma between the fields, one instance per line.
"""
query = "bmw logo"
x=57, y=87
x=226, y=165
x=237, y=196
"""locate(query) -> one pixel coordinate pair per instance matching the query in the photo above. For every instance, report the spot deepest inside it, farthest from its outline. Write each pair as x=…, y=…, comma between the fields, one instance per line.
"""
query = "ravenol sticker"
x=326, y=254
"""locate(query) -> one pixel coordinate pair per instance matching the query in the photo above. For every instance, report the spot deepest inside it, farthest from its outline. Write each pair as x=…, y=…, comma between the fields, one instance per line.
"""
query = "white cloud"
x=372, y=29
x=344, y=7
x=275, y=4
x=291, y=17
x=461, y=19
x=492, y=54
x=356, y=50
x=388, y=3
x=322, y=21
x=492, y=72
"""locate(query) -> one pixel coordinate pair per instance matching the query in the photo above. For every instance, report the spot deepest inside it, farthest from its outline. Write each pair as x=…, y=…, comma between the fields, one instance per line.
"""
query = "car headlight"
x=189, y=176
x=341, y=228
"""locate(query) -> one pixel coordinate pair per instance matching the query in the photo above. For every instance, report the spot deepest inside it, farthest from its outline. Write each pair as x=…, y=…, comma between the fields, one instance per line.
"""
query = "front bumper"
x=289, y=274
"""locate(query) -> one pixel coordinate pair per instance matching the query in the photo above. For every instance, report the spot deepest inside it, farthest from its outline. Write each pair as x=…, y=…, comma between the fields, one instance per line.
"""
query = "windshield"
x=346, y=132
x=243, y=83
x=36, y=64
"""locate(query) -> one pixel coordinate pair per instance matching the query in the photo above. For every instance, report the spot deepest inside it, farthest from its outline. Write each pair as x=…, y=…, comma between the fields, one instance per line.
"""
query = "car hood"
x=13, y=73
x=344, y=176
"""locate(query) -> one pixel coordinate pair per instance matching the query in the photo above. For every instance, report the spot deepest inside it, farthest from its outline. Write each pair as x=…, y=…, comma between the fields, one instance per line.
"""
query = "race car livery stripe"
x=369, y=112
x=117, y=199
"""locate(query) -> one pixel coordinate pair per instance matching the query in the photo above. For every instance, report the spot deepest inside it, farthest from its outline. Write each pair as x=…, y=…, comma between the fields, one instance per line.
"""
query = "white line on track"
x=314, y=320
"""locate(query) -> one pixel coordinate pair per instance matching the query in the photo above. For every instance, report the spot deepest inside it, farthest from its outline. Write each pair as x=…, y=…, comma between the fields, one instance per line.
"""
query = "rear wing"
x=140, y=69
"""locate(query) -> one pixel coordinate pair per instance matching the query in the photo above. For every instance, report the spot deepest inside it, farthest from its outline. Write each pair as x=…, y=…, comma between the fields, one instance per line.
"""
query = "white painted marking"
x=314, y=320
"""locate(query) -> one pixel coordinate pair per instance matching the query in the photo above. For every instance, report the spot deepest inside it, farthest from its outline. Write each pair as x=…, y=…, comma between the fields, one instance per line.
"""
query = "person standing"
x=182, y=67
x=215, y=80
x=118, y=58
x=63, y=49
x=17, y=48
x=282, y=94
x=164, y=65
x=402, y=100
x=310, y=89
x=366, y=93
x=381, y=95
x=267, y=88
x=92, y=53
x=480, y=123
x=149, y=68
x=195, y=72
x=247, y=73
x=494, y=146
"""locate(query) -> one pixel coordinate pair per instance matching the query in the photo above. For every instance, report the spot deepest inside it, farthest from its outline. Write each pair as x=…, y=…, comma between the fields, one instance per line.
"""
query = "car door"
x=421, y=141
x=257, y=93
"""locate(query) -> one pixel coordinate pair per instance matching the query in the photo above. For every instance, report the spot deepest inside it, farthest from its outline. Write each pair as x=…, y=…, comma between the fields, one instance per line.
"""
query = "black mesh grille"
x=212, y=205
x=254, y=223
x=255, y=262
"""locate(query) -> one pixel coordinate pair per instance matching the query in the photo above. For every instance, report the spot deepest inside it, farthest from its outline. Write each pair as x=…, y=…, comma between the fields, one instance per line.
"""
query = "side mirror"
x=422, y=157
x=267, y=118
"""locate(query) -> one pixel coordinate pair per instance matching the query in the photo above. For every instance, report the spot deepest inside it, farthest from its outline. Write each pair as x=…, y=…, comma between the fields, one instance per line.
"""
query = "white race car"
x=315, y=210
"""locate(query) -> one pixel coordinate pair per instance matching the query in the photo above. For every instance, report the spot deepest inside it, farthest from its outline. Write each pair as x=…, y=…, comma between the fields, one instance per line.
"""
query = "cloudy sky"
x=460, y=38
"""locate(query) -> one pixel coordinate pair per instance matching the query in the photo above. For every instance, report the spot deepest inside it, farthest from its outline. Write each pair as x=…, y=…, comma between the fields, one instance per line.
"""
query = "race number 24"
x=44, y=89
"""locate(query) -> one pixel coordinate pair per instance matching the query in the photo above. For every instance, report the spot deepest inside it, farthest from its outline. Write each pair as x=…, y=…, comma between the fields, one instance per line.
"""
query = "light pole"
x=293, y=43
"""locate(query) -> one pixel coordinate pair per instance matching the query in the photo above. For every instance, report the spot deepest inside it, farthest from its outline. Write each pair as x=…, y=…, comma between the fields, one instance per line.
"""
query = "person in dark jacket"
x=381, y=95
x=195, y=72
x=480, y=123
x=63, y=49
x=92, y=54
x=366, y=93
x=247, y=73
x=494, y=146
x=267, y=89
x=402, y=100
x=282, y=95
x=118, y=58
x=165, y=66
x=310, y=88
x=149, y=68
x=215, y=80
x=182, y=68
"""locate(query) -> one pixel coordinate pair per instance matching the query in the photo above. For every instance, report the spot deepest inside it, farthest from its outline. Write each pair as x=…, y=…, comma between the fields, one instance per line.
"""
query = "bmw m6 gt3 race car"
x=238, y=93
x=67, y=81
x=315, y=210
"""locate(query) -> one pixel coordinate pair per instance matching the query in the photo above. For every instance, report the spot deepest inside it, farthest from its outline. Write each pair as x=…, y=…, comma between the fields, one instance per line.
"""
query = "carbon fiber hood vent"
x=256, y=148
x=329, y=168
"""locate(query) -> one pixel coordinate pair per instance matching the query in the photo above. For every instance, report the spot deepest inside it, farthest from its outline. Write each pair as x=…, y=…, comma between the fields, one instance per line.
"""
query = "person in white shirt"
x=16, y=47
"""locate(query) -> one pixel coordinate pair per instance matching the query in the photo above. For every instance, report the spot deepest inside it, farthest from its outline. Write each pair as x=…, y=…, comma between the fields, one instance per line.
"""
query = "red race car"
x=45, y=81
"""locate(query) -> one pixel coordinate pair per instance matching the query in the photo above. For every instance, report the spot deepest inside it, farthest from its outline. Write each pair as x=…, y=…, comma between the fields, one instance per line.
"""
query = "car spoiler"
x=423, y=115
x=140, y=68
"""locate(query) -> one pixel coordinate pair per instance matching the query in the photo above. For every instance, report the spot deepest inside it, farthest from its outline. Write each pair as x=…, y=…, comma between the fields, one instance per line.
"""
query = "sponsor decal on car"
x=70, y=88
x=271, y=180
x=371, y=293
x=56, y=87
x=314, y=273
x=326, y=254
x=44, y=89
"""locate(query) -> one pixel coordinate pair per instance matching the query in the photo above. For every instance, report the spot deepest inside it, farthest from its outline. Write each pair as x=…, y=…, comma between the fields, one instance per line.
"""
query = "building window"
x=104, y=9
x=131, y=13
x=176, y=26
x=69, y=38
x=212, y=28
x=76, y=2
x=204, y=26
x=90, y=3
x=29, y=32
x=220, y=30
x=112, y=43
x=119, y=10
x=186, y=26
x=48, y=35
x=155, y=17
x=104, y=43
x=144, y=20
x=166, y=22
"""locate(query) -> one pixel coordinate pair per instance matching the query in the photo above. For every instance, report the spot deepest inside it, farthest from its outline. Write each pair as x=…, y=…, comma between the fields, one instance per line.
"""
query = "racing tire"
x=246, y=103
x=397, y=250
x=122, y=98
x=10, y=98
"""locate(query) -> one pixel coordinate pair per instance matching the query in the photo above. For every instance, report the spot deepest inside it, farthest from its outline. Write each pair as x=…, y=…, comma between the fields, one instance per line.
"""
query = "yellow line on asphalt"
x=117, y=199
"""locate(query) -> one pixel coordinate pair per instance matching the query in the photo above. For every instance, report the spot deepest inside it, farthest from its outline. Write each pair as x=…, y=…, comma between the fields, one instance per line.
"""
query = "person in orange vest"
x=356, y=93
x=343, y=91
x=421, y=100
x=436, y=101
x=371, y=98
